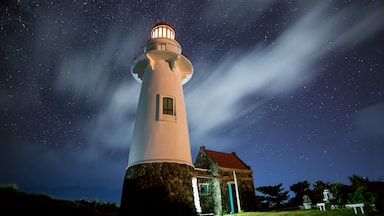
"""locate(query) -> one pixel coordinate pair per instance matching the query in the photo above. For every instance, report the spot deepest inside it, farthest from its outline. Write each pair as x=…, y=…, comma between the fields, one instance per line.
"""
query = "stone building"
x=225, y=183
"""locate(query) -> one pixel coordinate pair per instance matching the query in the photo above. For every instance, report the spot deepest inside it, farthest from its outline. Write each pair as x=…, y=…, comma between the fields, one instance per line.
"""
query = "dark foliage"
x=378, y=190
x=300, y=189
x=13, y=202
x=274, y=193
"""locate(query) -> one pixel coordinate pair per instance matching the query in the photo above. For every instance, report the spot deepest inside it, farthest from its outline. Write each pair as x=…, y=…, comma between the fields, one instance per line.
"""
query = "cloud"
x=91, y=78
x=275, y=69
x=39, y=165
x=90, y=73
x=113, y=125
x=368, y=124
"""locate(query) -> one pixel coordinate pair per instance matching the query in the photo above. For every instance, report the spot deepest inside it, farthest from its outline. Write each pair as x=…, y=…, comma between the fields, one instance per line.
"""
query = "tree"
x=300, y=189
x=274, y=193
x=357, y=181
x=318, y=188
x=361, y=192
x=340, y=192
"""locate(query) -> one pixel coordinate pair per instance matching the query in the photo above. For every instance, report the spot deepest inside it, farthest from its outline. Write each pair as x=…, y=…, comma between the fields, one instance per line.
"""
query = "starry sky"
x=295, y=88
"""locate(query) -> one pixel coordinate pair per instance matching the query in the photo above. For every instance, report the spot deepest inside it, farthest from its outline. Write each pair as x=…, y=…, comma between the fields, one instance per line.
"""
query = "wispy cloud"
x=274, y=69
x=368, y=124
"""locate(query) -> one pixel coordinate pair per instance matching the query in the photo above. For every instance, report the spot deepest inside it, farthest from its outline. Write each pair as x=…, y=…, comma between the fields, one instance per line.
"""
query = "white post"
x=237, y=192
x=196, y=195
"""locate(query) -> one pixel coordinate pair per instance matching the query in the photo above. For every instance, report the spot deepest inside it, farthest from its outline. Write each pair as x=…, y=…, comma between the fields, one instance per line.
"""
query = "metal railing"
x=158, y=46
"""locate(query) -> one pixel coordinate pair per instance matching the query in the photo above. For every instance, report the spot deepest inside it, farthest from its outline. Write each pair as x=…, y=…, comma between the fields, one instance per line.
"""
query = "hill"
x=13, y=202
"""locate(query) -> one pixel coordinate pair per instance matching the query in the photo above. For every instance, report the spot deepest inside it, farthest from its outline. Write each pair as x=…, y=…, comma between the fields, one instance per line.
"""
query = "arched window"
x=168, y=106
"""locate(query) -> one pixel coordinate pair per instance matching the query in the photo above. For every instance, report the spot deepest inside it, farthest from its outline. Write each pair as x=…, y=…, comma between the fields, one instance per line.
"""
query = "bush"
x=11, y=187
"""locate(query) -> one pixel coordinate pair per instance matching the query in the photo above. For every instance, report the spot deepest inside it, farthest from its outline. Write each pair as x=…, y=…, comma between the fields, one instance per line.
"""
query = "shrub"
x=11, y=187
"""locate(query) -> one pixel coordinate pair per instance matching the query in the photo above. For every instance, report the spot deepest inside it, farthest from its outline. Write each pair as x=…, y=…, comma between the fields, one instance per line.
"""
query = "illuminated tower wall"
x=160, y=169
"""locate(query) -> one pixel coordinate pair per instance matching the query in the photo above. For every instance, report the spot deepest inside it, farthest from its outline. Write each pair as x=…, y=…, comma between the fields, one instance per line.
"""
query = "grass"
x=312, y=212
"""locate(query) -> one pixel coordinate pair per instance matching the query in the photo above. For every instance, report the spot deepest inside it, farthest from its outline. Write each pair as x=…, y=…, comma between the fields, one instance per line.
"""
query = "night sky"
x=295, y=88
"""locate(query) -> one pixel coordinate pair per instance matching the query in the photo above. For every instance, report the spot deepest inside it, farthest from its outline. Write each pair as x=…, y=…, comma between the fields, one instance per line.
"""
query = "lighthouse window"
x=165, y=108
x=168, y=106
x=163, y=31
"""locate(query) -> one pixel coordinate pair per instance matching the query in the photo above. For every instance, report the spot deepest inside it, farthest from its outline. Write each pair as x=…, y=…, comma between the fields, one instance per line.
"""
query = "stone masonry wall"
x=158, y=188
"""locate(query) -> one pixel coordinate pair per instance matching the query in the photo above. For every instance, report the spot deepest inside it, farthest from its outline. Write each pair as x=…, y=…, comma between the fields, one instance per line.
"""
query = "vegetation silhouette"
x=361, y=190
x=18, y=203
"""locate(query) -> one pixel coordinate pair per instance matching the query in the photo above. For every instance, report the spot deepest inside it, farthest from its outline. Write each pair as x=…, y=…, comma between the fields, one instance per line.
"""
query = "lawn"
x=313, y=212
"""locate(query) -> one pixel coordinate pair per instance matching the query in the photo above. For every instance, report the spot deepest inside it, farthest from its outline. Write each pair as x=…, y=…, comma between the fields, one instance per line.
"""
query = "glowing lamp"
x=163, y=30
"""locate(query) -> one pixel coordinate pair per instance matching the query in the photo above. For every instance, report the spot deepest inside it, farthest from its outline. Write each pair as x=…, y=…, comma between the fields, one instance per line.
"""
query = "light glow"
x=163, y=31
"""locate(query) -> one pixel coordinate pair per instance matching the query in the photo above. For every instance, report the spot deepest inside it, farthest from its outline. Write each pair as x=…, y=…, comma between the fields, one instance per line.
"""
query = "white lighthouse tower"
x=159, y=172
x=161, y=129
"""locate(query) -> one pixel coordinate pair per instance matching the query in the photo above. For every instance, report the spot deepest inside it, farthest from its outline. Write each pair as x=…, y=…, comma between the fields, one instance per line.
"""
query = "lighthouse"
x=159, y=174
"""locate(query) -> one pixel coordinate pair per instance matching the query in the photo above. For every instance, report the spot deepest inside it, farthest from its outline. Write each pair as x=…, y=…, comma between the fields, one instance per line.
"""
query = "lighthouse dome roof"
x=163, y=23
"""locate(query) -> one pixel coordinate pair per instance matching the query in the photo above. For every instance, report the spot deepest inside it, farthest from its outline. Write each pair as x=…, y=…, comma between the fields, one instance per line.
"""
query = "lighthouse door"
x=232, y=197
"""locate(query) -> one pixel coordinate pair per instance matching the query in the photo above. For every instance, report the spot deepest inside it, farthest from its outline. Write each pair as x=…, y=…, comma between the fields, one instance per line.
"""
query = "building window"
x=165, y=108
x=168, y=106
x=203, y=188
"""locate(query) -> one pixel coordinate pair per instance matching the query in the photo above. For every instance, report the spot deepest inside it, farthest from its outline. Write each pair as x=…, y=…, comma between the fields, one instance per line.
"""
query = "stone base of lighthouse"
x=158, y=189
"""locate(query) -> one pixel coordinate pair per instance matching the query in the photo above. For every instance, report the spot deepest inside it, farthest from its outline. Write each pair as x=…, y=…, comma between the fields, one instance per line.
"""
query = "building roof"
x=226, y=160
x=163, y=23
